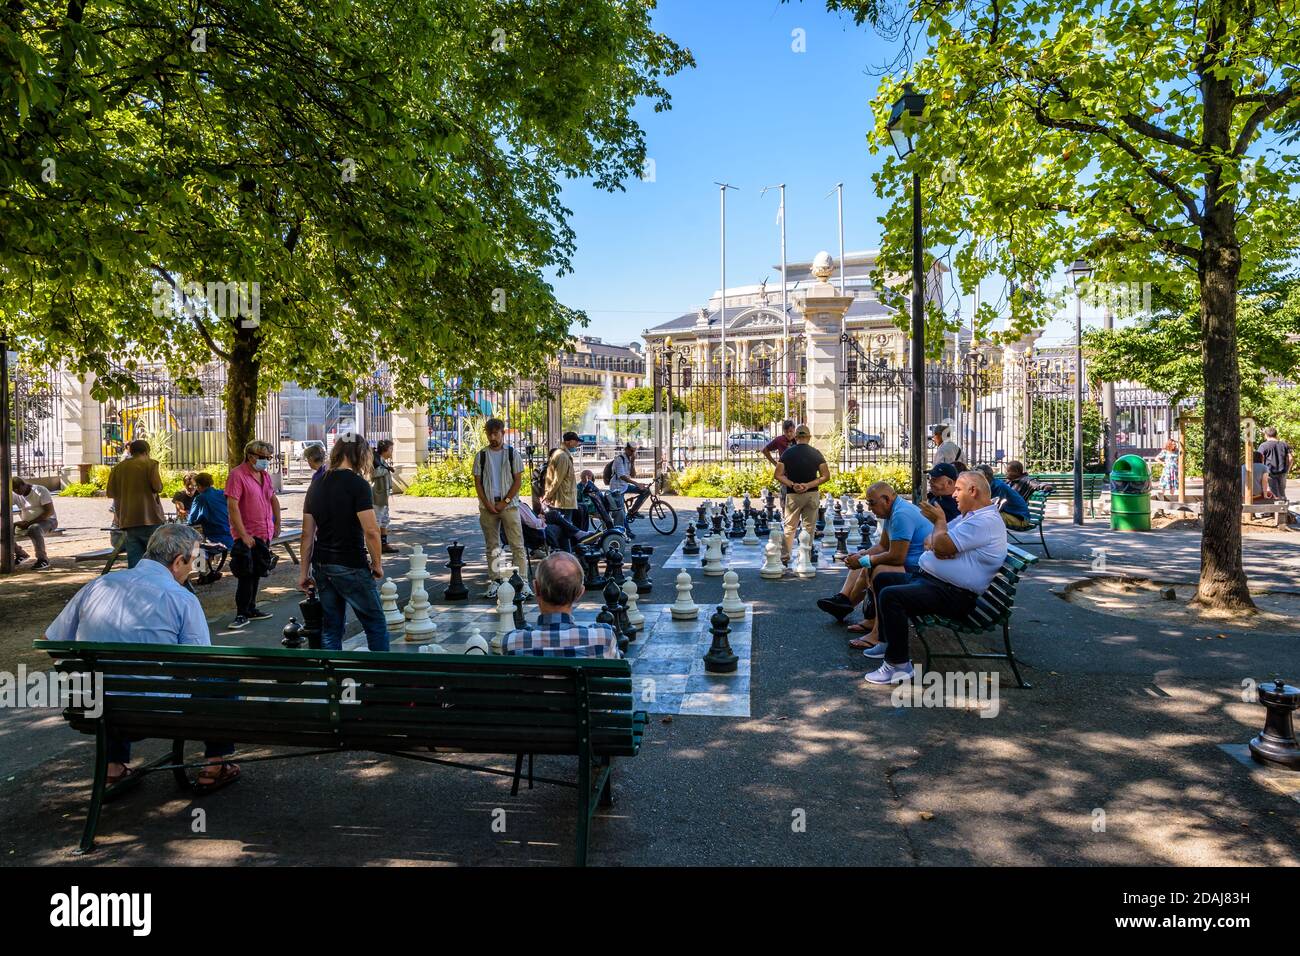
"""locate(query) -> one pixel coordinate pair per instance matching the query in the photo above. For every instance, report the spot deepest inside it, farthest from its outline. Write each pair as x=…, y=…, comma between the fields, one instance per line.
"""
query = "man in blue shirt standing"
x=147, y=604
x=1015, y=510
x=964, y=557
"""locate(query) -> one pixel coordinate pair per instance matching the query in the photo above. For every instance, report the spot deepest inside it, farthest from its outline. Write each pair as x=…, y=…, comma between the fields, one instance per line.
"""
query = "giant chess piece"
x=292, y=632
x=720, y=659
x=517, y=599
x=747, y=507
x=419, y=627
x=859, y=511
x=607, y=616
x=456, y=590
x=614, y=564
x=717, y=524
x=641, y=568
x=821, y=521
x=731, y=602
x=596, y=581
x=701, y=518
x=635, y=617
x=713, y=557
x=1276, y=743
x=803, y=566
x=506, y=618
x=393, y=615
x=313, y=617
x=476, y=644
x=505, y=606
x=684, y=608
x=737, y=525
x=854, y=541
x=751, y=531
x=841, y=543
x=691, y=546
x=813, y=548
x=772, y=568
x=517, y=582
x=623, y=615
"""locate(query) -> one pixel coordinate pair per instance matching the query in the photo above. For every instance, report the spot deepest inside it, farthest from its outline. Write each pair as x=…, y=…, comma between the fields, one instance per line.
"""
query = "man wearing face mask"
x=254, y=523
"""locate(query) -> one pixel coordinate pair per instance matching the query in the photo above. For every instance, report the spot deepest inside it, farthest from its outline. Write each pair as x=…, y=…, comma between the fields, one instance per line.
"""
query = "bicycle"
x=663, y=518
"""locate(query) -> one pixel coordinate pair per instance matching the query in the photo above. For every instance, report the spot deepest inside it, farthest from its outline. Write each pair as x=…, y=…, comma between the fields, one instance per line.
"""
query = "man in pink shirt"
x=254, y=524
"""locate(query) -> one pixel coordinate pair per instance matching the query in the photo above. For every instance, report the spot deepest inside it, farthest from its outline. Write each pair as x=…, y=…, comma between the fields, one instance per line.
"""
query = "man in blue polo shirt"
x=964, y=557
x=1015, y=511
x=902, y=542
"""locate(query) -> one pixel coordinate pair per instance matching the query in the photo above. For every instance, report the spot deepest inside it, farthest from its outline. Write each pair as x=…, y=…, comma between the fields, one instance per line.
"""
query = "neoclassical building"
x=757, y=334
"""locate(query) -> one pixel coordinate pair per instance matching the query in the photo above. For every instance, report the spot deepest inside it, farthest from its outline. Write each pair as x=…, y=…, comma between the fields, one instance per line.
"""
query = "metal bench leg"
x=178, y=771
x=289, y=547
x=607, y=791
x=1046, y=553
x=1011, y=656
x=530, y=771
x=519, y=768
x=97, y=790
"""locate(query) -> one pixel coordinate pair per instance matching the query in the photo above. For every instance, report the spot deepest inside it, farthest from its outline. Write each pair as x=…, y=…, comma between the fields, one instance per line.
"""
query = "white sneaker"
x=492, y=589
x=875, y=651
x=890, y=673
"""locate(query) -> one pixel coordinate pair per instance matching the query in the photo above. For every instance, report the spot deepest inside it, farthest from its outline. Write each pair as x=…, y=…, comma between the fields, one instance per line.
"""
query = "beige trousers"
x=799, y=506
x=492, y=524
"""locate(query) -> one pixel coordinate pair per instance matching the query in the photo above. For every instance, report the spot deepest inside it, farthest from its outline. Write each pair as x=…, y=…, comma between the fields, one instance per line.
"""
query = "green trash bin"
x=1130, y=494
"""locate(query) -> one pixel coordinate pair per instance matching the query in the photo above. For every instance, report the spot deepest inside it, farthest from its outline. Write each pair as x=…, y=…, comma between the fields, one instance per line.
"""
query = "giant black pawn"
x=595, y=580
x=606, y=616
x=717, y=522
x=841, y=543
x=812, y=555
x=625, y=622
x=760, y=525
x=720, y=659
x=691, y=546
x=313, y=618
x=701, y=521
x=520, y=623
x=641, y=570
x=737, y=525
x=614, y=566
x=821, y=520
x=860, y=511
x=456, y=590
x=517, y=582
x=748, y=508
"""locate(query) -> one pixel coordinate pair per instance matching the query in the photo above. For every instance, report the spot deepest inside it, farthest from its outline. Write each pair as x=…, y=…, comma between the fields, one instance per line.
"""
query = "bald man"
x=964, y=556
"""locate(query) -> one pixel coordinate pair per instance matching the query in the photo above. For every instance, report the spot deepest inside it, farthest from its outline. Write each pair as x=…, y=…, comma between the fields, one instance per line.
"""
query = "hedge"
x=724, y=480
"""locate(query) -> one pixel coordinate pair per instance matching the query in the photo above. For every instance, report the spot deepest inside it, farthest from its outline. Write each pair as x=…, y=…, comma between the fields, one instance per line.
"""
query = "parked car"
x=860, y=439
x=747, y=441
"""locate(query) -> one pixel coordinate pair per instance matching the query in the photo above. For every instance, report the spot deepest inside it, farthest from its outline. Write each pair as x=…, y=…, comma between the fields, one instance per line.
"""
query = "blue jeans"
x=618, y=508
x=899, y=596
x=340, y=588
x=119, y=748
x=137, y=539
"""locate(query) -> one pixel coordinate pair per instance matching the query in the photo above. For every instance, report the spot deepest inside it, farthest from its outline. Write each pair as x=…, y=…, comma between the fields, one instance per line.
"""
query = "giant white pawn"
x=751, y=536
x=713, y=557
x=505, y=598
x=476, y=643
x=803, y=566
x=684, y=608
x=732, y=605
x=772, y=569
x=854, y=541
x=393, y=615
x=634, y=615
x=505, y=615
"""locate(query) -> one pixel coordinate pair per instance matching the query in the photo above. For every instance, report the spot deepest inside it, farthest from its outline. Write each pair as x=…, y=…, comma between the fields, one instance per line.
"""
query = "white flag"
x=780, y=212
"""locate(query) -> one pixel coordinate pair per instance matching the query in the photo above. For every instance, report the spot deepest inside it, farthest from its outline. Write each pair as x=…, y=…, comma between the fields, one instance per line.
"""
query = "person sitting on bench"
x=964, y=557
x=903, y=533
x=1015, y=510
x=559, y=583
x=208, y=512
x=147, y=604
x=1022, y=483
x=36, y=519
x=534, y=529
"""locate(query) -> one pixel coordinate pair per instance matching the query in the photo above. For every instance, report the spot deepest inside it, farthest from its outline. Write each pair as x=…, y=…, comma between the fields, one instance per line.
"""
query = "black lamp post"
x=1079, y=271
x=905, y=118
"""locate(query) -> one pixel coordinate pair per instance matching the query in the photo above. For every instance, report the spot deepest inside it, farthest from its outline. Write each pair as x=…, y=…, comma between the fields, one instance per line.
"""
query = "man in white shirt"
x=946, y=451
x=963, y=558
x=36, y=518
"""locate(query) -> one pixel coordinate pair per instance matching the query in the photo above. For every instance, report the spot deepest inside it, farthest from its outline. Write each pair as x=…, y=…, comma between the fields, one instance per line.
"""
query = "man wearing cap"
x=943, y=478
x=801, y=471
x=945, y=450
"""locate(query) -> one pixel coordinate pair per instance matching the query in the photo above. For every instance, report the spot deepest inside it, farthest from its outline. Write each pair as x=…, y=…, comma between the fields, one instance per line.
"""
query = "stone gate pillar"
x=823, y=310
x=410, y=440
x=80, y=424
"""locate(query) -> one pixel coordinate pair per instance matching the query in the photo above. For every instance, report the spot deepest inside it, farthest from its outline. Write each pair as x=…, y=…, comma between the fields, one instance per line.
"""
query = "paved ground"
x=1112, y=758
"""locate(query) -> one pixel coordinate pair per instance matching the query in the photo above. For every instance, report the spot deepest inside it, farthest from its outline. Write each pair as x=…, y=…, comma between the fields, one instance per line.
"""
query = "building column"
x=410, y=440
x=822, y=310
x=82, y=432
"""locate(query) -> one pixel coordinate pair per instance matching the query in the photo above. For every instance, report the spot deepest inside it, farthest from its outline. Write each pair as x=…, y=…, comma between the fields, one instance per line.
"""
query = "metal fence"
x=530, y=409
x=186, y=429
x=37, y=447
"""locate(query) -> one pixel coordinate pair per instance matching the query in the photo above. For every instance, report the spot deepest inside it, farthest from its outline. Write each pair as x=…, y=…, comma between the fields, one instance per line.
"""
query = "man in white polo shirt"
x=963, y=557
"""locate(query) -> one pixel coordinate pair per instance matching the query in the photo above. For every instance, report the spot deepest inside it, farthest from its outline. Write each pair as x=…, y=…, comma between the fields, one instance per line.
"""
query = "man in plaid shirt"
x=558, y=582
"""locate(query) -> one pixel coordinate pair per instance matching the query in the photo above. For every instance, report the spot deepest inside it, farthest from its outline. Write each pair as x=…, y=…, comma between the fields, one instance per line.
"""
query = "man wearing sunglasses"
x=254, y=523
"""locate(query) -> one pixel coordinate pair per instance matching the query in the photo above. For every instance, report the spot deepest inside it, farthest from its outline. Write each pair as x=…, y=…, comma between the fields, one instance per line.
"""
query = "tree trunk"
x=241, y=394
x=1223, y=579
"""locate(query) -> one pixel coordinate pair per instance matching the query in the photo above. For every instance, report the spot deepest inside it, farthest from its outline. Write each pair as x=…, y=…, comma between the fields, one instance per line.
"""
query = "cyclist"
x=621, y=475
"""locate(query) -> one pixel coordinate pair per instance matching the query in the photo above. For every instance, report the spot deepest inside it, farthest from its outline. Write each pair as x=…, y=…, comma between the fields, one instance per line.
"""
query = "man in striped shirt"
x=558, y=582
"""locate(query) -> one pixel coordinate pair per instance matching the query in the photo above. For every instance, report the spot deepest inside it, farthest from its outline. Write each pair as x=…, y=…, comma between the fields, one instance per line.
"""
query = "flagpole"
x=722, y=193
x=785, y=309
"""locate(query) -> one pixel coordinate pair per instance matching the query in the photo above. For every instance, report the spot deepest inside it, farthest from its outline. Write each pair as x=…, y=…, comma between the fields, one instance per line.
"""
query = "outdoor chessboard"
x=741, y=557
x=667, y=657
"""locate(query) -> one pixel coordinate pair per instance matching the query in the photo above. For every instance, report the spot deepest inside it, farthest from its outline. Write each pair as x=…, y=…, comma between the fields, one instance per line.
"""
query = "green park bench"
x=286, y=539
x=1062, y=483
x=992, y=610
x=390, y=703
x=1037, y=502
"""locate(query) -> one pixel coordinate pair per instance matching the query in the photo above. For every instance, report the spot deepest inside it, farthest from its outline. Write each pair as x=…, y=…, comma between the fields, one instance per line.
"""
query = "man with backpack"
x=1278, y=459
x=498, y=473
x=618, y=477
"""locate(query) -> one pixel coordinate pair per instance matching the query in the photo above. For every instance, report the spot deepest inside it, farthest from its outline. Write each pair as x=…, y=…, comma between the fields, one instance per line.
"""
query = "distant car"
x=300, y=447
x=860, y=439
x=747, y=441
x=588, y=442
x=438, y=443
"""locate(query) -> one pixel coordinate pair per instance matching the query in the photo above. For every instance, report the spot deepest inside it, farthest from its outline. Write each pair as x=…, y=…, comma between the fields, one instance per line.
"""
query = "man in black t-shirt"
x=341, y=547
x=801, y=471
x=1278, y=459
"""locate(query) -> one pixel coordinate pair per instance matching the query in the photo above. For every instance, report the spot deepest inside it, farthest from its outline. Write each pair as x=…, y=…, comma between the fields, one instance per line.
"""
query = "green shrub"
x=452, y=477
x=99, y=475
x=721, y=480
x=80, y=489
x=857, y=481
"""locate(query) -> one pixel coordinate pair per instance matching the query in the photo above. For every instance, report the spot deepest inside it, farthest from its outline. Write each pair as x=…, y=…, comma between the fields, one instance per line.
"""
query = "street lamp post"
x=722, y=317
x=1079, y=271
x=904, y=119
